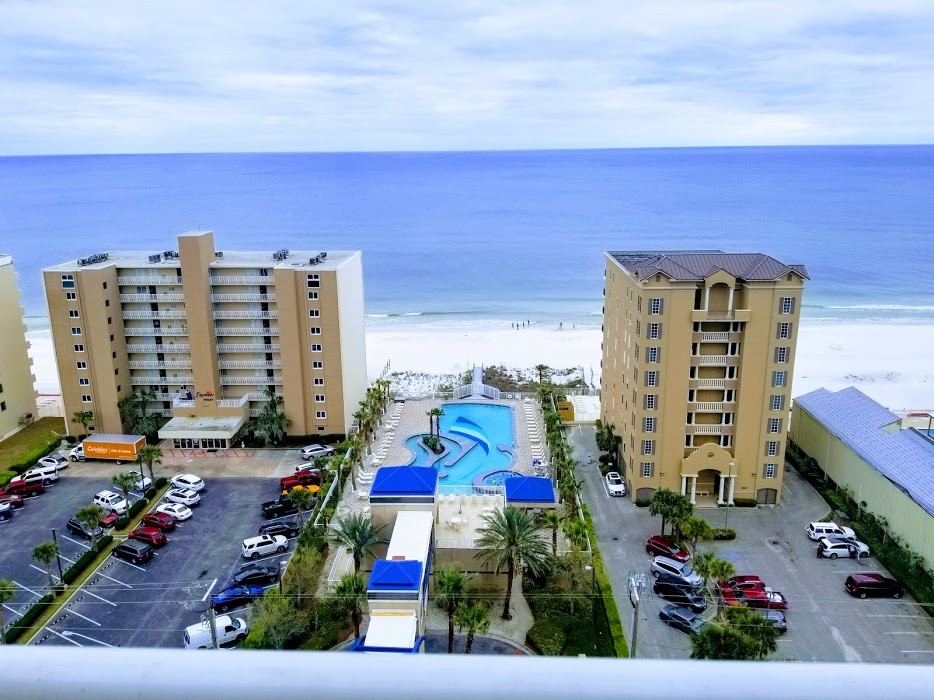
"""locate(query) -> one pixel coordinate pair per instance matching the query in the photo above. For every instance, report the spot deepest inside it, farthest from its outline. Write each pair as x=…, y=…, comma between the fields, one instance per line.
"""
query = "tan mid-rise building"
x=17, y=390
x=698, y=356
x=205, y=333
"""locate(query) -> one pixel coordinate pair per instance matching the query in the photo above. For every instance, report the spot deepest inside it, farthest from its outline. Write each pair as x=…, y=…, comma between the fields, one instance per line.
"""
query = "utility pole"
x=61, y=576
x=212, y=620
x=636, y=585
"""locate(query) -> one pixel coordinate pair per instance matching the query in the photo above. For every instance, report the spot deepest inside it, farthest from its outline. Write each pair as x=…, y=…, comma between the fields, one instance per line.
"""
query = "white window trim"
x=647, y=469
x=771, y=466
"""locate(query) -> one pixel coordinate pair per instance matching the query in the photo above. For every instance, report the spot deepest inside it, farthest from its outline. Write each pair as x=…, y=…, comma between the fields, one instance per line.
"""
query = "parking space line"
x=98, y=597
x=69, y=633
x=918, y=651
x=70, y=561
x=15, y=612
x=210, y=588
x=80, y=544
x=916, y=634
x=129, y=564
x=73, y=612
x=891, y=616
x=47, y=629
x=38, y=595
x=42, y=570
x=114, y=580
x=268, y=556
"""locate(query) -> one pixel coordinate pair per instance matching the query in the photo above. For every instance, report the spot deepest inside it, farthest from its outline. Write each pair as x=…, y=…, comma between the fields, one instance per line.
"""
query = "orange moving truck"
x=120, y=448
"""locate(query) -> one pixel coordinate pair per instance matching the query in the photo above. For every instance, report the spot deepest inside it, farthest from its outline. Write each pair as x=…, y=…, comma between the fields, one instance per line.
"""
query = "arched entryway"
x=708, y=485
x=708, y=476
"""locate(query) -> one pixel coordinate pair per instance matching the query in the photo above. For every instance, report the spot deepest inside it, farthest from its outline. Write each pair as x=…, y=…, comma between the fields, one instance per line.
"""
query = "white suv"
x=108, y=500
x=817, y=530
x=312, y=451
x=833, y=547
x=256, y=547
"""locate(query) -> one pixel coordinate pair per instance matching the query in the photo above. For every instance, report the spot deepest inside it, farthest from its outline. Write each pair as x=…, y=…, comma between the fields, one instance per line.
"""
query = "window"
x=105, y=285
x=312, y=296
x=84, y=381
x=316, y=348
x=648, y=447
x=638, y=327
x=778, y=402
x=784, y=330
x=317, y=364
x=655, y=306
x=650, y=402
x=321, y=414
x=787, y=305
x=769, y=472
x=68, y=281
x=655, y=330
x=81, y=364
x=316, y=330
x=319, y=381
x=70, y=296
x=110, y=320
x=72, y=313
x=651, y=354
x=781, y=355
x=76, y=330
x=651, y=378
x=648, y=425
x=314, y=313
x=85, y=398
x=647, y=469
x=106, y=302
x=319, y=398
x=638, y=302
x=2, y=405
x=79, y=348
x=775, y=425
x=771, y=448
x=313, y=281
x=117, y=372
x=778, y=378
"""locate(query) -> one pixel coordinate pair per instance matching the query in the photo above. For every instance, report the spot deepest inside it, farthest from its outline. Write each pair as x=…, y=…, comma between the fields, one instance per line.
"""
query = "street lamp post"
x=726, y=519
x=593, y=604
x=58, y=558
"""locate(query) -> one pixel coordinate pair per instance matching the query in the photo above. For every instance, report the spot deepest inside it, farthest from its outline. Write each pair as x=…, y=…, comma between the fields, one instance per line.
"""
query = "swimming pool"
x=478, y=438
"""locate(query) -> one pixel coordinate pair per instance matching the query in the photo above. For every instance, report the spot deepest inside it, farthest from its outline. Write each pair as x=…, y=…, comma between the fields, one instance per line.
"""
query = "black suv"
x=133, y=551
x=674, y=589
x=75, y=527
x=286, y=527
x=257, y=574
x=873, y=586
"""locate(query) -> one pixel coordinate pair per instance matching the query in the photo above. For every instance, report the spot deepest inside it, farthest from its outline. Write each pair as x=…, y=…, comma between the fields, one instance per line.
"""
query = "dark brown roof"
x=697, y=265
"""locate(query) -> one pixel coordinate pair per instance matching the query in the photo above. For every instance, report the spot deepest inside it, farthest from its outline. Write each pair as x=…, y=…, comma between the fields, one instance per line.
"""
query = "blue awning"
x=395, y=576
x=404, y=481
x=529, y=489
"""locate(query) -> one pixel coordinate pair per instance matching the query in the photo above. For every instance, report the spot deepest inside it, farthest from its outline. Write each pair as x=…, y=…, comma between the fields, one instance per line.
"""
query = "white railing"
x=152, y=347
x=233, y=403
x=456, y=542
x=179, y=402
x=155, y=364
x=161, y=381
x=722, y=336
x=168, y=313
x=245, y=330
x=710, y=429
x=714, y=383
x=167, y=412
x=243, y=297
x=710, y=406
x=149, y=280
x=252, y=279
x=249, y=364
x=245, y=347
x=256, y=381
x=246, y=313
x=259, y=396
x=476, y=388
x=151, y=297
x=155, y=331
x=705, y=360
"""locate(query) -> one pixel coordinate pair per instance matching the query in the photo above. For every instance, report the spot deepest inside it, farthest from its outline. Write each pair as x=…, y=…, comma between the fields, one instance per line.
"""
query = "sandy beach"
x=892, y=363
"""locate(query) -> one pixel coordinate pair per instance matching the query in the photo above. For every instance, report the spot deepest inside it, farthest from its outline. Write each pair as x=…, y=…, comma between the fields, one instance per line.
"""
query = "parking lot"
x=824, y=622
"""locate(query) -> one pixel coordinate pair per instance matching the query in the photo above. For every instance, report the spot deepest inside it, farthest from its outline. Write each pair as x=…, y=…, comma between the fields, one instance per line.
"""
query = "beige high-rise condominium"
x=17, y=393
x=205, y=333
x=698, y=354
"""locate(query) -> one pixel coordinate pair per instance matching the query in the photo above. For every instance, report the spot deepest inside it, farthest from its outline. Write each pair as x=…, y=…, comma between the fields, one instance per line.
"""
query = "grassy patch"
x=31, y=443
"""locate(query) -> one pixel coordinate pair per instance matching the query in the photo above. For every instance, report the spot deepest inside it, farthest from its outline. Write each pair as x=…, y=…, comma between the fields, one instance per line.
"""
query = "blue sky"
x=105, y=77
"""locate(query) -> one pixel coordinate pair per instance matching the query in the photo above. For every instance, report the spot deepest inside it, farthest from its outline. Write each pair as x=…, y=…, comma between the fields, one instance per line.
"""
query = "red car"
x=150, y=535
x=22, y=488
x=303, y=477
x=162, y=521
x=14, y=501
x=109, y=519
x=666, y=547
x=761, y=597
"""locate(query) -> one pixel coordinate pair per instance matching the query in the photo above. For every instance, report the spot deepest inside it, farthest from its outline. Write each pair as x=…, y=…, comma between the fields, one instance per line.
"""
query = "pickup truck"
x=281, y=506
x=20, y=487
x=302, y=477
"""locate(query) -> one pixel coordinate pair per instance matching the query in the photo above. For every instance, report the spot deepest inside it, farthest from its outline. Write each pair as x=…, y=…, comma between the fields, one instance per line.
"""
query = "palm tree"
x=90, y=518
x=569, y=487
x=150, y=455
x=450, y=589
x=126, y=482
x=356, y=533
x=7, y=591
x=360, y=415
x=45, y=553
x=542, y=371
x=272, y=424
x=695, y=529
x=437, y=413
x=510, y=539
x=473, y=618
x=83, y=417
x=711, y=568
x=670, y=505
x=304, y=500
x=552, y=519
x=762, y=632
x=351, y=591
x=576, y=532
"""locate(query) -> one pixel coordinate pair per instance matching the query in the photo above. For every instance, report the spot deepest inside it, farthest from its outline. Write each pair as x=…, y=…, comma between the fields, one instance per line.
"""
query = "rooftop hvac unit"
x=322, y=255
x=219, y=254
x=155, y=258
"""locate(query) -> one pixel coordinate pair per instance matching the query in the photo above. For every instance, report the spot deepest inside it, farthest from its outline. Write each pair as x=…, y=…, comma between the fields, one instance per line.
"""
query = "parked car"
x=133, y=551
x=150, y=535
x=185, y=496
x=312, y=451
x=288, y=527
x=235, y=596
x=255, y=574
x=13, y=500
x=176, y=510
x=873, y=586
x=143, y=482
x=833, y=548
x=666, y=547
x=108, y=500
x=752, y=597
x=109, y=520
x=261, y=545
x=56, y=461
x=673, y=588
x=39, y=474
x=301, y=477
x=683, y=570
x=163, y=521
x=280, y=507
x=744, y=581
x=778, y=619
x=23, y=489
x=6, y=511
x=614, y=484
x=226, y=628
x=187, y=481
x=683, y=619
x=817, y=530
x=75, y=527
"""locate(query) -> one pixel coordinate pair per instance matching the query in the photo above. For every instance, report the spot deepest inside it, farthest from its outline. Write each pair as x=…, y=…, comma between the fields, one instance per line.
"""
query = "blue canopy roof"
x=405, y=481
x=390, y=576
x=529, y=489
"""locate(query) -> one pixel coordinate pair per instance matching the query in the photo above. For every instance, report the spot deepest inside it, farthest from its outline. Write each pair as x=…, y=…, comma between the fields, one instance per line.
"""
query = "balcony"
x=179, y=402
x=149, y=280
x=709, y=429
x=154, y=364
x=254, y=381
x=161, y=381
x=711, y=406
x=246, y=313
x=156, y=331
x=243, y=297
x=251, y=279
x=233, y=403
x=249, y=364
x=722, y=383
x=259, y=396
x=245, y=330
x=701, y=315
x=150, y=298
x=244, y=347
x=721, y=337
x=168, y=313
x=152, y=347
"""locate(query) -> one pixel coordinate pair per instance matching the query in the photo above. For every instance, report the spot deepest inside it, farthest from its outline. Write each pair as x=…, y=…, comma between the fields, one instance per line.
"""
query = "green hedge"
x=82, y=562
x=139, y=506
x=745, y=502
x=150, y=493
x=720, y=533
x=121, y=522
x=35, y=455
x=6, y=477
x=160, y=482
x=546, y=637
x=18, y=628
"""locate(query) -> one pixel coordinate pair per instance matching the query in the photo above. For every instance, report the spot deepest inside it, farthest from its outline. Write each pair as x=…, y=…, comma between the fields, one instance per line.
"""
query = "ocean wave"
x=875, y=307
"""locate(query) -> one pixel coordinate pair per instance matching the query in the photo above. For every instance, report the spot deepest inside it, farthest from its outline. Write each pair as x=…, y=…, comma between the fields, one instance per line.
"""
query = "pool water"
x=479, y=438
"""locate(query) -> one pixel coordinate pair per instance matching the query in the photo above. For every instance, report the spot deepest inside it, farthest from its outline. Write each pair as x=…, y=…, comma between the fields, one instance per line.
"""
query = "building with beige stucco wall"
x=17, y=390
x=698, y=356
x=207, y=332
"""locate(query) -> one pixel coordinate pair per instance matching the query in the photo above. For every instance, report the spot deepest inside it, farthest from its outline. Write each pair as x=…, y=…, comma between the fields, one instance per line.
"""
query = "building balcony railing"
x=245, y=330
x=161, y=381
x=246, y=313
x=259, y=396
x=152, y=347
x=156, y=331
x=712, y=406
x=249, y=364
x=722, y=383
x=245, y=347
x=718, y=337
x=243, y=297
x=179, y=402
x=243, y=279
x=701, y=315
x=168, y=313
x=149, y=280
x=710, y=429
x=707, y=360
x=255, y=381
x=233, y=403
x=155, y=364
x=150, y=298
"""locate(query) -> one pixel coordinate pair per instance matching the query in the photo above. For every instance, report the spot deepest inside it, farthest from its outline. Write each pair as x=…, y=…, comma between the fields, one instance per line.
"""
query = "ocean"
x=488, y=238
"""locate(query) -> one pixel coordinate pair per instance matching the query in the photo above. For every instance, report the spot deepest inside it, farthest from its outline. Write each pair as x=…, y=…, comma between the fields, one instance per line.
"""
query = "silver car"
x=682, y=570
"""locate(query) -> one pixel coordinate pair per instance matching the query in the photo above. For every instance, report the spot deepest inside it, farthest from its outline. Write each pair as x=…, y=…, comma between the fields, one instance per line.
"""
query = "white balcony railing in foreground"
x=53, y=673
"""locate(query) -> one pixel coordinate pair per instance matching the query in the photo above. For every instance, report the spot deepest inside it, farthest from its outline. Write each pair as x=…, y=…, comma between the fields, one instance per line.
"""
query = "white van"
x=229, y=629
x=817, y=530
x=40, y=474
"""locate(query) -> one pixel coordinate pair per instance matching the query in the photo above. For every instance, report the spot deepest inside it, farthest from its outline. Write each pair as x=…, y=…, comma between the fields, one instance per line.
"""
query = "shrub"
x=6, y=477
x=122, y=522
x=71, y=439
x=160, y=483
x=745, y=502
x=82, y=562
x=546, y=637
x=18, y=628
x=151, y=493
x=720, y=533
x=642, y=502
x=311, y=539
x=137, y=507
